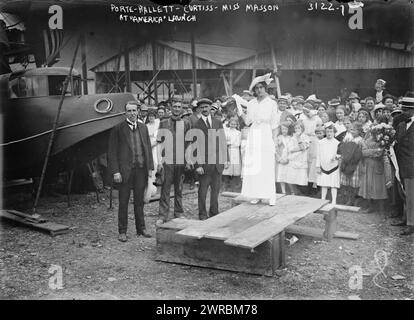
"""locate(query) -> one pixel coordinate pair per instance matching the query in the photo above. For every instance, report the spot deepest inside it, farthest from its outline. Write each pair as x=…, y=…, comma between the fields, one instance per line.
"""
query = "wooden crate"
x=212, y=253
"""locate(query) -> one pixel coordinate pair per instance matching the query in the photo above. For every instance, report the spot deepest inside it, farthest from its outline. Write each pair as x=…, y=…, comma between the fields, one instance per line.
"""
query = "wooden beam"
x=154, y=71
x=238, y=78
x=193, y=64
x=127, y=68
x=84, y=67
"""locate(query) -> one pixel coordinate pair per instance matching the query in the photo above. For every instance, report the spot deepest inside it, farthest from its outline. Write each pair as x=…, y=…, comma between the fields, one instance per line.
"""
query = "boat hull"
x=82, y=133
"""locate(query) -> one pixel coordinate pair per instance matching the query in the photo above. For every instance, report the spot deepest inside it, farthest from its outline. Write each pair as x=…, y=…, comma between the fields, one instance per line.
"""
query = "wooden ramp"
x=246, y=238
x=34, y=221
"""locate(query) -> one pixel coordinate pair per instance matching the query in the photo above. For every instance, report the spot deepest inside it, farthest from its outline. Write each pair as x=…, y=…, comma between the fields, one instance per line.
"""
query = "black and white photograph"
x=207, y=150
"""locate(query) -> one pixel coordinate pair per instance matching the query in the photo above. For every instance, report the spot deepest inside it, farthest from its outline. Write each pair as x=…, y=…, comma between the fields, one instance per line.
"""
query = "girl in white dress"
x=327, y=165
x=282, y=161
x=233, y=137
x=259, y=160
x=297, y=173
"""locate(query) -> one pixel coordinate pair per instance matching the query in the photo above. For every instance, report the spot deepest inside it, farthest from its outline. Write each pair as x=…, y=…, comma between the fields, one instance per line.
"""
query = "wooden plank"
x=278, y=251
x=222, y=219
x=35, y=218
x=242, y=222
x=289, y=210
x=241, y=199
x=209, y=253
x=305, y=231
x=318, y=233
x=51, y=227
x=344, y=208
x=179, y=223
x=346, y=235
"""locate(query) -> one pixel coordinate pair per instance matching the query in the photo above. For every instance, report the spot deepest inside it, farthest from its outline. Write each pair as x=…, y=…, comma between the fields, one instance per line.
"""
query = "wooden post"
x=194, y=69
x=84, y=67
x=127, y=68
x=154, y=72
x=70, y=185
x=231, y=82
x=330, y=224
x=278, y=251
x=274, y=72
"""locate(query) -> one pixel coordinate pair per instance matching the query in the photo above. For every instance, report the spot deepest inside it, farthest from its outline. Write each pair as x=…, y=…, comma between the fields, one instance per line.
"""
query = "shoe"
x=122, y=237
x=399, y=224
x=144, y=234
x=408, y=231
x=255, y=201
x=159, y=222
x=272, y=202
x=202, y=218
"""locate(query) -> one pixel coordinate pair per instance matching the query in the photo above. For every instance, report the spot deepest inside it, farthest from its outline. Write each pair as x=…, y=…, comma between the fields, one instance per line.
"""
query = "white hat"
x=312, y=97
x=381, y=82
x=264, y=78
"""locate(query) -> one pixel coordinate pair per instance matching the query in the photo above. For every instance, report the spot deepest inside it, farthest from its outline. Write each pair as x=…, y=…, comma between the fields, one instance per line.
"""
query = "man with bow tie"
x=131, y=162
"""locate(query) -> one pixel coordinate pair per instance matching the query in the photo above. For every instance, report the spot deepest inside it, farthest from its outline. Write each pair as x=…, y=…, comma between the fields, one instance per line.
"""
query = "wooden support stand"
x=211, y=253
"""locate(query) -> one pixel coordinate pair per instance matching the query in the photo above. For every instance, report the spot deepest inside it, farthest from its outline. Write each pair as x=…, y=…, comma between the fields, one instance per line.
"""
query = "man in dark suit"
x=210, y=168
x=404, y=149
x=130, y=161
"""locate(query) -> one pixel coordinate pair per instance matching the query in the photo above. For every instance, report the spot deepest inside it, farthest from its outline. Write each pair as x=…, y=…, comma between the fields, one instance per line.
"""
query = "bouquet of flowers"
x=384, y=134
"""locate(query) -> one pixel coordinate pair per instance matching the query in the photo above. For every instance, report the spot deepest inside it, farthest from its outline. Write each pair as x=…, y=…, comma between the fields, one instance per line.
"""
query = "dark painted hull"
x=82, y=132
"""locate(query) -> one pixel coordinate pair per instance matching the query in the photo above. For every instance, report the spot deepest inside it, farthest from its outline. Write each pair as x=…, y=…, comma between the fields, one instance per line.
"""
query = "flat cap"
x=204, y=101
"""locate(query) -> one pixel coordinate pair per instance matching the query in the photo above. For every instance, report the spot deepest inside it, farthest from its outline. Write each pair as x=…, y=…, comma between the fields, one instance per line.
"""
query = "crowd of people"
x=354, y=147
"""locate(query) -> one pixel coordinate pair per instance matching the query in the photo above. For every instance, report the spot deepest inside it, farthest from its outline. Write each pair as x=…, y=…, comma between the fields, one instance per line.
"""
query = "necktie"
x=208, y=123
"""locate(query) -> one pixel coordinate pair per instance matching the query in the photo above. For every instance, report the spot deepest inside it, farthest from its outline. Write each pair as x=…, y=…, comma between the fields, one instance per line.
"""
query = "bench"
x=246, y=238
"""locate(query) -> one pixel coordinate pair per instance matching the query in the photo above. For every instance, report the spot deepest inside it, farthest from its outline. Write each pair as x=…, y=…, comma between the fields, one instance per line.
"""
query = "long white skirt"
x=259, y=163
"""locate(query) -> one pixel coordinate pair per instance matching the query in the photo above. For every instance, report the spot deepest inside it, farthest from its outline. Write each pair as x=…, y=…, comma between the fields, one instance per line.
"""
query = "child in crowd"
x=244, y=134
x=339, y=124
x=327, y=163
x=346, y=134
x=350, y=150
x=320, y=132
x=324, y=116
x=311, y=121
x=233, y=137
x=297, y=169
x=282, y=161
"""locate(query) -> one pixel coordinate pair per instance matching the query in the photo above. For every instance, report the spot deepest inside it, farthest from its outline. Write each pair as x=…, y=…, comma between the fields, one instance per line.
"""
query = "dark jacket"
x=168, y=124
x=351, y=155
x=221, y=144
x=404, y=149
x=120, y=155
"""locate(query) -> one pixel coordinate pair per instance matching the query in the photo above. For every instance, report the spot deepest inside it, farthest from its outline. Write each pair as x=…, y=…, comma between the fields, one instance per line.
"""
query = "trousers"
x=137, y=181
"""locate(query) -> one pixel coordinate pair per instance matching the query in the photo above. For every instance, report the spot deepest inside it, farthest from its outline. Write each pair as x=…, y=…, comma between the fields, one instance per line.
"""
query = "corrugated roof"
x=220, y=55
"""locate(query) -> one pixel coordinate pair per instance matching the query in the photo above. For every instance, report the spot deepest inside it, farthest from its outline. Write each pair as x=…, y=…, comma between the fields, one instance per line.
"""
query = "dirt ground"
x=97, y=266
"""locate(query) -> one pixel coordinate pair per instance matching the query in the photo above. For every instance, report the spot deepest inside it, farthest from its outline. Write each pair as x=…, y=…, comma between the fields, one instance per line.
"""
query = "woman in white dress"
x=153, y=124
x=259, y=159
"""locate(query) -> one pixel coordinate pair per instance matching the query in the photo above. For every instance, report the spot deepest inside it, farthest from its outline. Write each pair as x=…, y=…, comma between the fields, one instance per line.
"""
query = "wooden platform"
x=34, y=221
x=246, y=238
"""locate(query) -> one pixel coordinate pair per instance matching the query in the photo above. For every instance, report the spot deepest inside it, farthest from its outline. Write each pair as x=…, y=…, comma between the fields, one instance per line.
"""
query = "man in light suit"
x=130, y=161
x=209, y=172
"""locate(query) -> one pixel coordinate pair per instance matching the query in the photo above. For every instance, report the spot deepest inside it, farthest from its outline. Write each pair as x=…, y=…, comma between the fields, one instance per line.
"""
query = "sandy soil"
x=97, y=266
